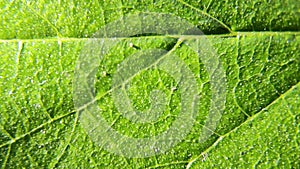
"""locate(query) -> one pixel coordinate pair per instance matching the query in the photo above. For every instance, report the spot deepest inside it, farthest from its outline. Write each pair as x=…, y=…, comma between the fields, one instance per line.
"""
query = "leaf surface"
x=40, y=19
x=39, y=46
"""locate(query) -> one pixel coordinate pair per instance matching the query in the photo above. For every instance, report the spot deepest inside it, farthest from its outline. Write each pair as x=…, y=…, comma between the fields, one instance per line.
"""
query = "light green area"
x=260, y=126
x=269, y=139
x=39, y=125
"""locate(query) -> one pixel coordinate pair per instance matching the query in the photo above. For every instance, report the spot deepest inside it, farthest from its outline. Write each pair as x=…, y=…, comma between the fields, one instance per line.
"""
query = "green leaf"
x=39, y=127
x=268, y=139
x=29, y=19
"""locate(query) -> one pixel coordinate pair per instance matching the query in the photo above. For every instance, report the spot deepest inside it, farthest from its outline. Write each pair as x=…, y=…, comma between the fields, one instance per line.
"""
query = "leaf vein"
x=36, y=129
x=53, y=165
x=206, y=14
x=43, y=18
x=245, y=122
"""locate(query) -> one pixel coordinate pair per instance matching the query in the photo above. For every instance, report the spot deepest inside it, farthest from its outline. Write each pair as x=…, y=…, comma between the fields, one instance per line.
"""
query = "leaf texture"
x=41, y=41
